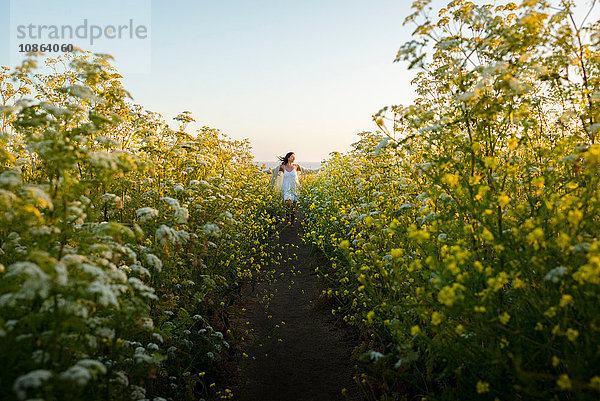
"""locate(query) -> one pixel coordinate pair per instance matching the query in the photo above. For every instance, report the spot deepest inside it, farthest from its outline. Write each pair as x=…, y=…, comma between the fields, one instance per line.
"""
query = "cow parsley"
x=154, y=262
x=146, y=213
x=211, y=229
x=33, y=379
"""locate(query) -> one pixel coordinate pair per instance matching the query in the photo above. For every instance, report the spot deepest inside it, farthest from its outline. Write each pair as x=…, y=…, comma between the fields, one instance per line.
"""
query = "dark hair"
x=285, y=158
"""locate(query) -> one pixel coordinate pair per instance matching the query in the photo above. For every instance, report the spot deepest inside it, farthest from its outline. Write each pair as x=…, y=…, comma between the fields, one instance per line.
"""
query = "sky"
x=302, y=76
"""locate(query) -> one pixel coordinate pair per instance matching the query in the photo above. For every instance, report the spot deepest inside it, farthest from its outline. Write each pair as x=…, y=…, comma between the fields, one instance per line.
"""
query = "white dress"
x=290, y=185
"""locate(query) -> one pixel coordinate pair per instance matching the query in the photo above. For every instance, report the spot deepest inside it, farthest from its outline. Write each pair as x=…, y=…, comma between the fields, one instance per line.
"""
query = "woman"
x=286, y=180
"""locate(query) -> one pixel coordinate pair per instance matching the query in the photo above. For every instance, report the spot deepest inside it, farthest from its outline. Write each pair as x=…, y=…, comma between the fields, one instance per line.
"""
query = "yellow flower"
x=396, y=253
x=487, y=235
x=490, y=161
x=590, y=272
x=556, y=329
x=436, y=318
x=574, y=217
x=555, y=361
x=417, y=235
x=536, y=237
x=345, y=244
x=593, y=154
x=370, y=316
x=414, y=330
x=504, y=318
x=517, y=283
x=503, y=200
x=450, y=179
x=572, y=334
x=565, y=300
x=564, y=383
x=538, y=182
x=595, y=382
x=563, y=240
x=498, y=282
x=447, y=296
x=482, y=387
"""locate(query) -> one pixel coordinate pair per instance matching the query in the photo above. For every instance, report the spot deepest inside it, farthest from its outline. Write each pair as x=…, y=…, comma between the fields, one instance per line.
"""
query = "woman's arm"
x=300, y=171
x=274, y=175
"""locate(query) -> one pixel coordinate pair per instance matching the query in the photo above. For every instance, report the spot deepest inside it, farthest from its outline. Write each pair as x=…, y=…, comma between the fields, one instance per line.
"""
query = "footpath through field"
x=296, y=350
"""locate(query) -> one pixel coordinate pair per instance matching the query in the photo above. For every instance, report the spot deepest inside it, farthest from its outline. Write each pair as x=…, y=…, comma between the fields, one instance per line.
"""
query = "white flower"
x=112, y=199
x=107, y=296
x=141, y=288
x=211, y=229
x=182, y=236
x=10, y=178
x=6, y=199
x=141, y=355
x=108, y=142
x=104, y=160
x=166, y=234
x=83, y=370
x=181, y=215
x=40, y=197
x=555, y=274
x=154, y=262
x=382, y=144
x=75, y=212
x=174, y=203
x=138, y=393
x=32, y=379
x=40, y=356
x=121, y=379
x=146, y=213
x=374, y=355
x=37, y=281
x=81, y=92
x=61, y=273
x=106, y=332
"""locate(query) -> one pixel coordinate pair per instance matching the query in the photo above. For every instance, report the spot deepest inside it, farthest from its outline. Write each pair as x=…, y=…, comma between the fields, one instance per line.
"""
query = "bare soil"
x=294, y=348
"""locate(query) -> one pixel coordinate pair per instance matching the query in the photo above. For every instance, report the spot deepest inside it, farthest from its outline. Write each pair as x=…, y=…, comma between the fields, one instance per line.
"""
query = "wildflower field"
x=123, y=242
x=464, y=233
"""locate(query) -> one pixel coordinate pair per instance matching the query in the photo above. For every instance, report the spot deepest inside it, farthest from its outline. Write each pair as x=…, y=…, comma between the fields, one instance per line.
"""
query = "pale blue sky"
x=302, y=76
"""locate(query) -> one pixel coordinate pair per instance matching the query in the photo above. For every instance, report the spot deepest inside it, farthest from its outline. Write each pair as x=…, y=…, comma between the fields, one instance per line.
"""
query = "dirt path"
x=295, y=349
